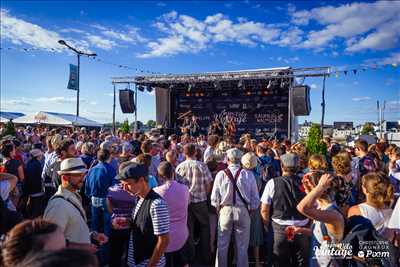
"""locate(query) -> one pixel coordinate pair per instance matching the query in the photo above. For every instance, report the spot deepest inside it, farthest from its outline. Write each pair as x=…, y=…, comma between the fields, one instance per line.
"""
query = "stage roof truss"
x=212, y=77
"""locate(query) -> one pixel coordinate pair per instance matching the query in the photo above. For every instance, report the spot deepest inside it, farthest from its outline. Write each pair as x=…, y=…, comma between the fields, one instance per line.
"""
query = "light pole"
x=78, y=53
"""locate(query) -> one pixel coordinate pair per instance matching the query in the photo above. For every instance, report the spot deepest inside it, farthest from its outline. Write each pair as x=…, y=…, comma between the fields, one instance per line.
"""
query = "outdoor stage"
x=257, y=100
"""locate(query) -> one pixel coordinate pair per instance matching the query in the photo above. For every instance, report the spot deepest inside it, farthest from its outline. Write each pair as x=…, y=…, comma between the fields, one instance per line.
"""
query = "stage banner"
x=73, y=77
x=258, y=111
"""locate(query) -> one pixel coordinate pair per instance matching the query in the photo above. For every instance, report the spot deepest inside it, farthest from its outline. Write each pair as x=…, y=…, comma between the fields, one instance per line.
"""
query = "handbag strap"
x=233, y=180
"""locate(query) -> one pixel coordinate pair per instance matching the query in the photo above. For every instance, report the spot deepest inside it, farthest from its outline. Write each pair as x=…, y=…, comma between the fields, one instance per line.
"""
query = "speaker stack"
x=126, y=101
x=301, y=100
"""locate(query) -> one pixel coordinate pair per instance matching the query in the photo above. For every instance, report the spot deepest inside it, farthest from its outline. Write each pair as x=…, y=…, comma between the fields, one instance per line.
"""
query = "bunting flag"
x=334, y=70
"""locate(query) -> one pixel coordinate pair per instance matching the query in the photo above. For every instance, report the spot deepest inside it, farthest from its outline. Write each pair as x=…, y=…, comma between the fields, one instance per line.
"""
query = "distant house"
x=304, y=129
x=342, y=130
x=343, y=125
x=390, y=126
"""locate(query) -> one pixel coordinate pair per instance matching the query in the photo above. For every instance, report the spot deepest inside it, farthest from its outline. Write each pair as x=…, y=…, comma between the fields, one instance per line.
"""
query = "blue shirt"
x=87, y=159
x=99, y=179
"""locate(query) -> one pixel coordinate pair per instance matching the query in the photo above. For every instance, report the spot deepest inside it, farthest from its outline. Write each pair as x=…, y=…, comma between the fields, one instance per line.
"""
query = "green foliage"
x=368, y=128
x=314, y=144
x=9, y=129
x=125, y=127
x=151, y=123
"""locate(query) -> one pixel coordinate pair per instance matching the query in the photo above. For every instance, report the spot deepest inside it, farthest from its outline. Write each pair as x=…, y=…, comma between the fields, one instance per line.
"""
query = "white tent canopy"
x=7, y=116
x=53, y=118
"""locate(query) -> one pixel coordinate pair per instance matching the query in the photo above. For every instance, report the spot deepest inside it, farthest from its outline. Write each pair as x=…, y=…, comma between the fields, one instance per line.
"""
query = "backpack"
x=360, y=229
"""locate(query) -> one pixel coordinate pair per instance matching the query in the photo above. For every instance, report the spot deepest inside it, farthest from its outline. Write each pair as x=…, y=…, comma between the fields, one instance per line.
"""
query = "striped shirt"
x=160, y=218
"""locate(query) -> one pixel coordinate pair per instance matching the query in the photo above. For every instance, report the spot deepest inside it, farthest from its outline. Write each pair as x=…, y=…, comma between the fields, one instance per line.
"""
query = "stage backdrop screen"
x=257, y=111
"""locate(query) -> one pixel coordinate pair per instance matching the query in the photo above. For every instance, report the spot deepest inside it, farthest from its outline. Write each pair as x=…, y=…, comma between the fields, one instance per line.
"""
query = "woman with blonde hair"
x=379, y=194
x=320, y=205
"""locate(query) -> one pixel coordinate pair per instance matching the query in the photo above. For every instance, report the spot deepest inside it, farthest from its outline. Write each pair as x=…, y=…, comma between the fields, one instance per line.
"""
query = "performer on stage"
x=194, y=127
x=216, y=128
x=186, y=125
x=229, y=126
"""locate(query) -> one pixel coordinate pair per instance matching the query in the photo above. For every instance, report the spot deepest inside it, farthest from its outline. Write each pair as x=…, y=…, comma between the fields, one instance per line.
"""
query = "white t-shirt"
x=267, y=197
x=394, y=221
x=5, y=189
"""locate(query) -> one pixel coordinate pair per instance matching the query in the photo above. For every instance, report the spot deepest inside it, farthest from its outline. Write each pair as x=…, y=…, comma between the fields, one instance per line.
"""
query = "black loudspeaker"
x=126, y=101
x=301, y=100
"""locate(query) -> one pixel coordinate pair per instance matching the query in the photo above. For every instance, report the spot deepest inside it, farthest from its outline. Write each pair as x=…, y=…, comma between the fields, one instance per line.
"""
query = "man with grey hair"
x=283, y=194
x=235, y=196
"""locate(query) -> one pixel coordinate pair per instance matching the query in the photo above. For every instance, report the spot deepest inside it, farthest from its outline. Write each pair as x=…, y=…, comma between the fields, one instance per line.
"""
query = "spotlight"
x=141, y=88
x=149, y=89
x=187, y=94
x=248, y=93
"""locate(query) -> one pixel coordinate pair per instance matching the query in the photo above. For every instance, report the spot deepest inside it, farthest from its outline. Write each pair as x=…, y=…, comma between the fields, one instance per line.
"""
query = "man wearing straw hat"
x=65, y=207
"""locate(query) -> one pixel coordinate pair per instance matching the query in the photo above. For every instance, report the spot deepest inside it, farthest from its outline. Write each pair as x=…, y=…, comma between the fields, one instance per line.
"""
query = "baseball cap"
x=290, y=160
x=133, y=171
x=36, y=152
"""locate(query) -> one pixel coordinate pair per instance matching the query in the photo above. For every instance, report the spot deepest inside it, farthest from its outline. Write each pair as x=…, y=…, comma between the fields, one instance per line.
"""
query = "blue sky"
x=189, y=36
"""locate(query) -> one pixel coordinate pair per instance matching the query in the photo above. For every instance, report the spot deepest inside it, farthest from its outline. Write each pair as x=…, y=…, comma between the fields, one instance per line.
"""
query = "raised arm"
x=307, y=204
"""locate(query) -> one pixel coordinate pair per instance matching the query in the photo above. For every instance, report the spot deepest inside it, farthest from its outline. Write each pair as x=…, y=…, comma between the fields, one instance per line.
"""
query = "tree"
x=151, y=123
x=125, y=127
x=314, y=144
x=9, y=129
x=368, y=128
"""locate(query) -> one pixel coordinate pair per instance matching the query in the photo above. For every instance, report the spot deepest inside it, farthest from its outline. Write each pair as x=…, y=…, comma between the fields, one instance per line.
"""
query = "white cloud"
x=56, y=99
x=126, y=34
x=73, y=30
x=186, y=34
x=22, y=32
x=62, y=100
x=393, y=58
x=17, y=102
x=100, y=42
x=364, y=26
x=361, y=98
x=288, y=60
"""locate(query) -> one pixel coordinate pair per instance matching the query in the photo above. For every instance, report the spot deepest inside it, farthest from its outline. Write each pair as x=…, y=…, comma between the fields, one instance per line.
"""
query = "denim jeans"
x=100, y=213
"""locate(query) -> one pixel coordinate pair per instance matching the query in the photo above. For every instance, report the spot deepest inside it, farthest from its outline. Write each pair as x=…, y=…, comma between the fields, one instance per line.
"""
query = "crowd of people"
x=79, y=197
